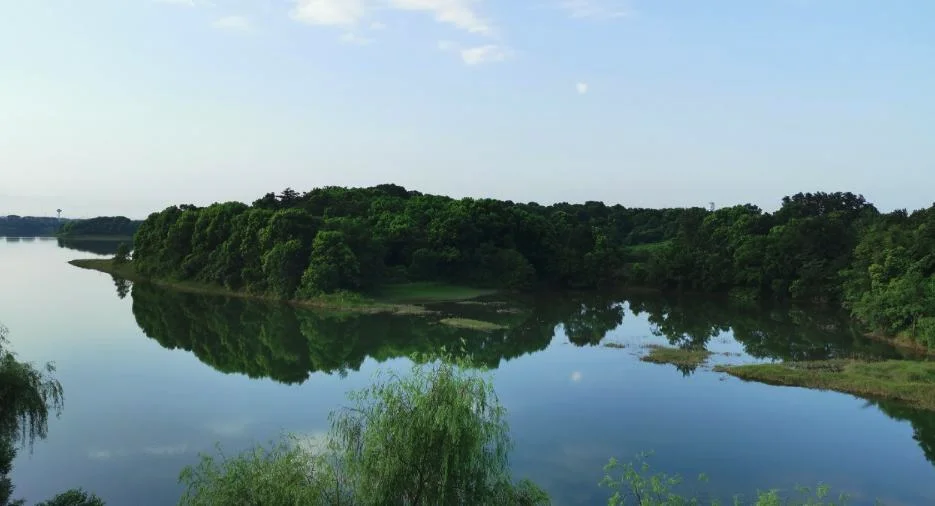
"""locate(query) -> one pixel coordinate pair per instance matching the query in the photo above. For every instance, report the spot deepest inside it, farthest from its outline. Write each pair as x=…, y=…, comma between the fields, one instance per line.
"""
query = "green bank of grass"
x=467, y=323
x=909, y=382
x=346, y=301
x=427, y=292
x=676, y=356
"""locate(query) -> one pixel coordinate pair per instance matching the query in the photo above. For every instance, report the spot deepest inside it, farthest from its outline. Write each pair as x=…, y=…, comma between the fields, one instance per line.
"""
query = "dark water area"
x=152, y=377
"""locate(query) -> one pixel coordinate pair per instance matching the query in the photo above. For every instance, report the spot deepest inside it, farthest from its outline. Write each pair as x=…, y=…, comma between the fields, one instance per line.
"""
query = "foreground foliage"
x=435, y=436
x=27, y=396
x=634, y=483
x=910, y=382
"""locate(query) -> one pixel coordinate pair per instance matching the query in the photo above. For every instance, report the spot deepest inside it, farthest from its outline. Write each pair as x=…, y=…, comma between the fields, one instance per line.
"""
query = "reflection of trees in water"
x=101, y=247
x=287, y=344
x=765, y=332
x=923, y=424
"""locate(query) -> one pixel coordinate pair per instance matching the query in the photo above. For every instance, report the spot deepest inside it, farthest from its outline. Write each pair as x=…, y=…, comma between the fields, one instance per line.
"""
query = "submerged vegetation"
x=906, y=381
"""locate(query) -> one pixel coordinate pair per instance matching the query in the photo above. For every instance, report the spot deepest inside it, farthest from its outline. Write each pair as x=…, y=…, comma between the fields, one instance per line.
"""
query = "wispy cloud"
x=353, y=38
x=594, y=9
x=235, y=23
x=576, y=376
x=458, y=13
x=488, y=53
x=581, y=88
x=330, y=12
x=377, y=25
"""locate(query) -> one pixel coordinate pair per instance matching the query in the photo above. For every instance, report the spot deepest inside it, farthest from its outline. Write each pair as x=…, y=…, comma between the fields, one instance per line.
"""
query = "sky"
x=128, y=106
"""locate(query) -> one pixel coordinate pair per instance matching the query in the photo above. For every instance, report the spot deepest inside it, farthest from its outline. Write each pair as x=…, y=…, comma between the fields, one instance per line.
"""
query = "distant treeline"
x=29, y=226
x=829, y=247
x=47, y=226
x=104, y=226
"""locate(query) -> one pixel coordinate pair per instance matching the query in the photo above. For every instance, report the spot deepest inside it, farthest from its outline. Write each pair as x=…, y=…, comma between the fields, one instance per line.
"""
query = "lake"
x=153, y=377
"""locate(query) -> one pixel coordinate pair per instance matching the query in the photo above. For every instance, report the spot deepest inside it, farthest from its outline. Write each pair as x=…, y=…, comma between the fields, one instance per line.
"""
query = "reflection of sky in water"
x=136, y=413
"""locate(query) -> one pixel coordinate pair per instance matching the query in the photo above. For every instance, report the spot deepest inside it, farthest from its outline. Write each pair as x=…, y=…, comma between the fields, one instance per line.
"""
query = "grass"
x=347, y=301
x=909, y=382
x=467, y=323
x=688, y=357
x=427, y=292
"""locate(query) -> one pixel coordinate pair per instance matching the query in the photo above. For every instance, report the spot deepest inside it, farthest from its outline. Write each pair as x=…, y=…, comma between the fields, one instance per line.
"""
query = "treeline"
x=295, y=245
x=827, y=247
x=110, y=226
x=29, y=226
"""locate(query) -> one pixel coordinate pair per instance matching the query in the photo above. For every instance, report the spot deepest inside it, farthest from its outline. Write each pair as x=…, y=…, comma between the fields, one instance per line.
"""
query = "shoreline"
x=337, y=301
x=908, y=382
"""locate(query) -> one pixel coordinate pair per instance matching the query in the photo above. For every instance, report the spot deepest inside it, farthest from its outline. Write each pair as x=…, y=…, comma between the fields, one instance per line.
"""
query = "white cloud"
x=489, y=53
x=576, y=376
x=376, y=25
x=459, y=13
x=353, y=38
x=236, y=23
x=594, y=9
x=329, y=12
x=581, y=88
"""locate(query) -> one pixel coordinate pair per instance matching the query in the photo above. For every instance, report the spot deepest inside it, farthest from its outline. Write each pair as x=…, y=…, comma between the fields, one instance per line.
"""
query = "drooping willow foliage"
x=27, y=396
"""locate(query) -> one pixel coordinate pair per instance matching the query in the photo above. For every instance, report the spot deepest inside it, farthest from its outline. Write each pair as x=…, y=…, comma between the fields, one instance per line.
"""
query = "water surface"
x=153, y=377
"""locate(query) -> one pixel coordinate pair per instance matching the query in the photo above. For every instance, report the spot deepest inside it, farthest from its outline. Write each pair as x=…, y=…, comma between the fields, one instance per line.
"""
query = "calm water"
x=153, y=377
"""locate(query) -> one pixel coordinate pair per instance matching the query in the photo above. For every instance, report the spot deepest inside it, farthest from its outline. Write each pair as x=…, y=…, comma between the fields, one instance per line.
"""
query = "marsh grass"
x=685, y=357
x=909, y=382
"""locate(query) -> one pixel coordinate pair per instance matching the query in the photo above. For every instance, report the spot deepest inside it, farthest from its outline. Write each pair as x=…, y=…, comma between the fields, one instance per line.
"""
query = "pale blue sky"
x=126, y=106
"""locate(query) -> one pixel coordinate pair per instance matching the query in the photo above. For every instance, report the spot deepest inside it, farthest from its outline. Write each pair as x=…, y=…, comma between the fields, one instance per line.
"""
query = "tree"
x=27, y=396
x=435, y=436
x=123, y=254
x=332, y=266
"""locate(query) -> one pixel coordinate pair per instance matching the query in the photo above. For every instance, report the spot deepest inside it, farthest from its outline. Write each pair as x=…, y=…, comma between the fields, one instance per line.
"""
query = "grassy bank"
x=676, y=356
x=910, y=382
x=342, y=301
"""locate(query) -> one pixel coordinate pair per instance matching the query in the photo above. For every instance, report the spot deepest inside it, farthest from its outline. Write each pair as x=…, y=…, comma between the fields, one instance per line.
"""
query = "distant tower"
x=711, y=206
x=59, y=211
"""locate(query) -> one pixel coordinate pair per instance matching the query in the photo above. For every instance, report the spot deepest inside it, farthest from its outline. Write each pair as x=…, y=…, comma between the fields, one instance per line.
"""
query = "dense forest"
x=106, y=226
x=833, y=248
x=29, y=226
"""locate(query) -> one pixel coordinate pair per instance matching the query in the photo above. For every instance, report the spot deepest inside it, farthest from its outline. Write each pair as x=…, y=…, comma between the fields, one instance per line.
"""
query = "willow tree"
x=27, y=396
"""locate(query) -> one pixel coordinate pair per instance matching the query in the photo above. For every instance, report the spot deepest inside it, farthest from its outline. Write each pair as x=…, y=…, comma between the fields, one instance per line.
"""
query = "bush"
x=436, y=436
